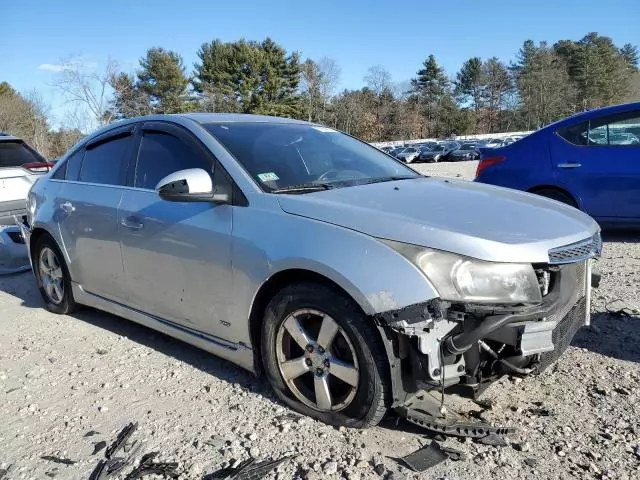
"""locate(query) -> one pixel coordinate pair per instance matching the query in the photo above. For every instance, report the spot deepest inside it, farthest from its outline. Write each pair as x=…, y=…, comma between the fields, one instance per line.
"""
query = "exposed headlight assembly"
x=459, y=278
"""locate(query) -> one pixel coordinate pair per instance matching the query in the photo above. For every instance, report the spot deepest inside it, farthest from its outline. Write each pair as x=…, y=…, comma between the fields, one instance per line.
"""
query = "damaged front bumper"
x=14, y=254
x=462, y=348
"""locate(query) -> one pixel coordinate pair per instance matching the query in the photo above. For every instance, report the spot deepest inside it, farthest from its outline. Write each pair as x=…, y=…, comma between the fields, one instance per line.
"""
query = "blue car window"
x=575, y=134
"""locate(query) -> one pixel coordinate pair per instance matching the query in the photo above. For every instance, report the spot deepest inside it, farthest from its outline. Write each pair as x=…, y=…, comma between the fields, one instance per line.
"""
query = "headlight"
x=459, y=278
x=31, y=208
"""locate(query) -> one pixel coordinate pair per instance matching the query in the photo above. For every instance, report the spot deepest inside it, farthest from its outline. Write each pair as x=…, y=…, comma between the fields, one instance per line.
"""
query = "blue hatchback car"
x=590, y=161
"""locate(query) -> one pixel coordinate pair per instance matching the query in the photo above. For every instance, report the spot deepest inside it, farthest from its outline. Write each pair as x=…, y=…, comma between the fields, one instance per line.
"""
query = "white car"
x=20, y=167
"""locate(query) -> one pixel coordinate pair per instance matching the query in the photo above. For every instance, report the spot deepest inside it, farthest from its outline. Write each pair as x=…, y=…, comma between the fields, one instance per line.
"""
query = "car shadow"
x=160, y=342
x=23, y=287
x=614, y=335
x=621, y=236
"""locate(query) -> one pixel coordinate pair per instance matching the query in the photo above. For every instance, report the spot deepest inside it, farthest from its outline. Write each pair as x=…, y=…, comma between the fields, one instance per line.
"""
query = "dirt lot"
x=62, y=377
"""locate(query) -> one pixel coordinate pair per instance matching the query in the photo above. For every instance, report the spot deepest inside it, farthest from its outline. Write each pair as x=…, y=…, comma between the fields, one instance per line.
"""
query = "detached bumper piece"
x=424, y=411
x=14, y=257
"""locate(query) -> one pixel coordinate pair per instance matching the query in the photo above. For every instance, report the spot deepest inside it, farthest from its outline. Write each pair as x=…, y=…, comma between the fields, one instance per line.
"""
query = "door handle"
x=569, y=165
x=67, y=207
x=132, y=223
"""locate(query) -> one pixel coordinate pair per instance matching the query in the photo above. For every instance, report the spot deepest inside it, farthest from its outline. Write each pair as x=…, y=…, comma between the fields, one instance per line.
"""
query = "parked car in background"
x=20, y=167
x=408, y=155
x=492, y=142
x=438, y=152
x=588, y=161
x=396, y=151
x=467, y=151
x=294, y=249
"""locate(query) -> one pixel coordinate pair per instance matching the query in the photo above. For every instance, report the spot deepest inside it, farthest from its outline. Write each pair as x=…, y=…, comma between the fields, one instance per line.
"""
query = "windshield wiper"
x=303, y=188
x=389, y=179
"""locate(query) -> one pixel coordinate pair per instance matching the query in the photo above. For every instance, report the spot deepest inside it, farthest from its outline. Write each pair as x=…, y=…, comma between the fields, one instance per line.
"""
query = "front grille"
x=576, y=252
x=563, y=333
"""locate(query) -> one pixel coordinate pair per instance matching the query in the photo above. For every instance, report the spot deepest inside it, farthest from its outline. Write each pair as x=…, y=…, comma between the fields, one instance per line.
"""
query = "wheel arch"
x=270, y=287
x=36, y=234
x=564, y=191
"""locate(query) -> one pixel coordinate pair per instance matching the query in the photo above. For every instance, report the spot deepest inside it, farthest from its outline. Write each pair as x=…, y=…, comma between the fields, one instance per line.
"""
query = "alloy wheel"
x=317, y=360
x=51, y=275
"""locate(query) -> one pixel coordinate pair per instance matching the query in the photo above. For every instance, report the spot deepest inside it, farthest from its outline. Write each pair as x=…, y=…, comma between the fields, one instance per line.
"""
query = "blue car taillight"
x=488, y=162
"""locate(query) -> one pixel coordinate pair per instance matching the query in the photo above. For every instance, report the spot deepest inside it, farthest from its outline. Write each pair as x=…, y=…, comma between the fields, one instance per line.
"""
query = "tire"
x=369, y=398
x=557, y=195
x=66, y=304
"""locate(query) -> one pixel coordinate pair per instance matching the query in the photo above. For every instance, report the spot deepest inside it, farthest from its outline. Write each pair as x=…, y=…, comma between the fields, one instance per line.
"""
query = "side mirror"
x=191, y=185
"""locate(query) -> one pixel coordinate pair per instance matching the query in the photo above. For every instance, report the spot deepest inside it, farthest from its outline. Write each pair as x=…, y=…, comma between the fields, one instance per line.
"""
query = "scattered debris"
x=531, y=462
x=247, y=470
x=4, y=471
x=379, y=469
x=453, y=454
x=120, y=440
x=12, y=390
x=91, y=433
x=426, y=457
x=148, y=466
x=493, y=440
x=64, y=461
x=97, y=447
x=540, y=411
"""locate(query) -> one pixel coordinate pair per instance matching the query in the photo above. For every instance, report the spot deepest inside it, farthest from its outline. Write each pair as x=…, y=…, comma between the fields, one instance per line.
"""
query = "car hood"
x=476, y=220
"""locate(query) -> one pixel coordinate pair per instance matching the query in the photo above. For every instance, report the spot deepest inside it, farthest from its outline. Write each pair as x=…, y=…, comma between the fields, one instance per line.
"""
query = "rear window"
x=16, y=154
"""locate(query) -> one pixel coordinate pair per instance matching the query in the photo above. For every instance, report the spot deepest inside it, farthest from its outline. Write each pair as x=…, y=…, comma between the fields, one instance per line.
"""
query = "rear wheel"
x=52, y=276
x=557, y=195
x=323, y=357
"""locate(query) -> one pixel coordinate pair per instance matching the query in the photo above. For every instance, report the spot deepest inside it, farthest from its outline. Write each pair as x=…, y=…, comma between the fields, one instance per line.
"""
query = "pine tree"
x=163, y=78
x=470, y=84
x=247, y=76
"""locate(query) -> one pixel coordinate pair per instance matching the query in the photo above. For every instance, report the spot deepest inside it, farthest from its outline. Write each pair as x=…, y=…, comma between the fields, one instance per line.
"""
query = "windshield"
x=284, y=155
x=438, y=148
x=467, y=147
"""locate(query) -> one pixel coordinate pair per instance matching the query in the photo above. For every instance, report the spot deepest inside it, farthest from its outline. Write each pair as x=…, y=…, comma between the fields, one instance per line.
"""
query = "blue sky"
x=398, y=34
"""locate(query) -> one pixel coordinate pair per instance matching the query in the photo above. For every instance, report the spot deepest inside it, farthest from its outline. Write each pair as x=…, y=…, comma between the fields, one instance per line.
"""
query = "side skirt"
x=239, y=354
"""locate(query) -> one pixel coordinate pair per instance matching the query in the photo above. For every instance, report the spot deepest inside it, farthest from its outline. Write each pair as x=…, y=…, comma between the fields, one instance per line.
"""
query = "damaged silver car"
x=353, y=282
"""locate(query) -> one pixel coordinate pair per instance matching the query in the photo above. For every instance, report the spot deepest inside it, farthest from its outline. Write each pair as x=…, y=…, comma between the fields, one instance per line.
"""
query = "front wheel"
x=324, y=357
x=52, y=276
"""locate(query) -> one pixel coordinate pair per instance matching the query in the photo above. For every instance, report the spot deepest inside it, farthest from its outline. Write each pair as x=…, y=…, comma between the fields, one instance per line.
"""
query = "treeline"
x=27, y=117
x=544, y=83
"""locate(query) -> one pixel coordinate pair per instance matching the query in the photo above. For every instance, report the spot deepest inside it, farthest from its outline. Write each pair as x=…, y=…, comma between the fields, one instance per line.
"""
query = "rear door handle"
x=67, y=207
x=132, y=223
x=569, y=165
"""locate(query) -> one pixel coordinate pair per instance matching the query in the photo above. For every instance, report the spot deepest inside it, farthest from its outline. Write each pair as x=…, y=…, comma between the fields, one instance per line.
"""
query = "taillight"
x=487, y=162
x=38, y=167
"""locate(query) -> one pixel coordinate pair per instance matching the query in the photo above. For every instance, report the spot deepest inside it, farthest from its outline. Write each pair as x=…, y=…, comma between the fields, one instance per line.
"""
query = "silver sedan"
x=286, y=247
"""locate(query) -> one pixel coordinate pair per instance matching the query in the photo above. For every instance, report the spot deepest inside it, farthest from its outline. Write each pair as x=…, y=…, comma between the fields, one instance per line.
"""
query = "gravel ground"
x=62, y=377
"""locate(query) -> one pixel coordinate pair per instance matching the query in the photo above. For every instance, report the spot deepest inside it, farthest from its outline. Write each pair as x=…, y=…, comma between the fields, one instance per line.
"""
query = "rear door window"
x=16, y=154
x=622, y=129
x=106, y=162
x=575, y=134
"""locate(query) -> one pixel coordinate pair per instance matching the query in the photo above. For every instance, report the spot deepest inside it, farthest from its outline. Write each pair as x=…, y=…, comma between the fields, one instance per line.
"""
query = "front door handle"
x=67, y=207
x=569, y=165
x=132, y=223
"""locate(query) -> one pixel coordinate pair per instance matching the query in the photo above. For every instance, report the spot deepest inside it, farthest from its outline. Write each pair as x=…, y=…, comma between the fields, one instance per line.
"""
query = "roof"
x=5, y=137
x=596, y=112
x=235, y=117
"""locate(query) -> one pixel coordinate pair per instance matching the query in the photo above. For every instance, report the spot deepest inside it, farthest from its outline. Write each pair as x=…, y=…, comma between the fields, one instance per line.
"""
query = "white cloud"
x=53, y=67
x=80, y=61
